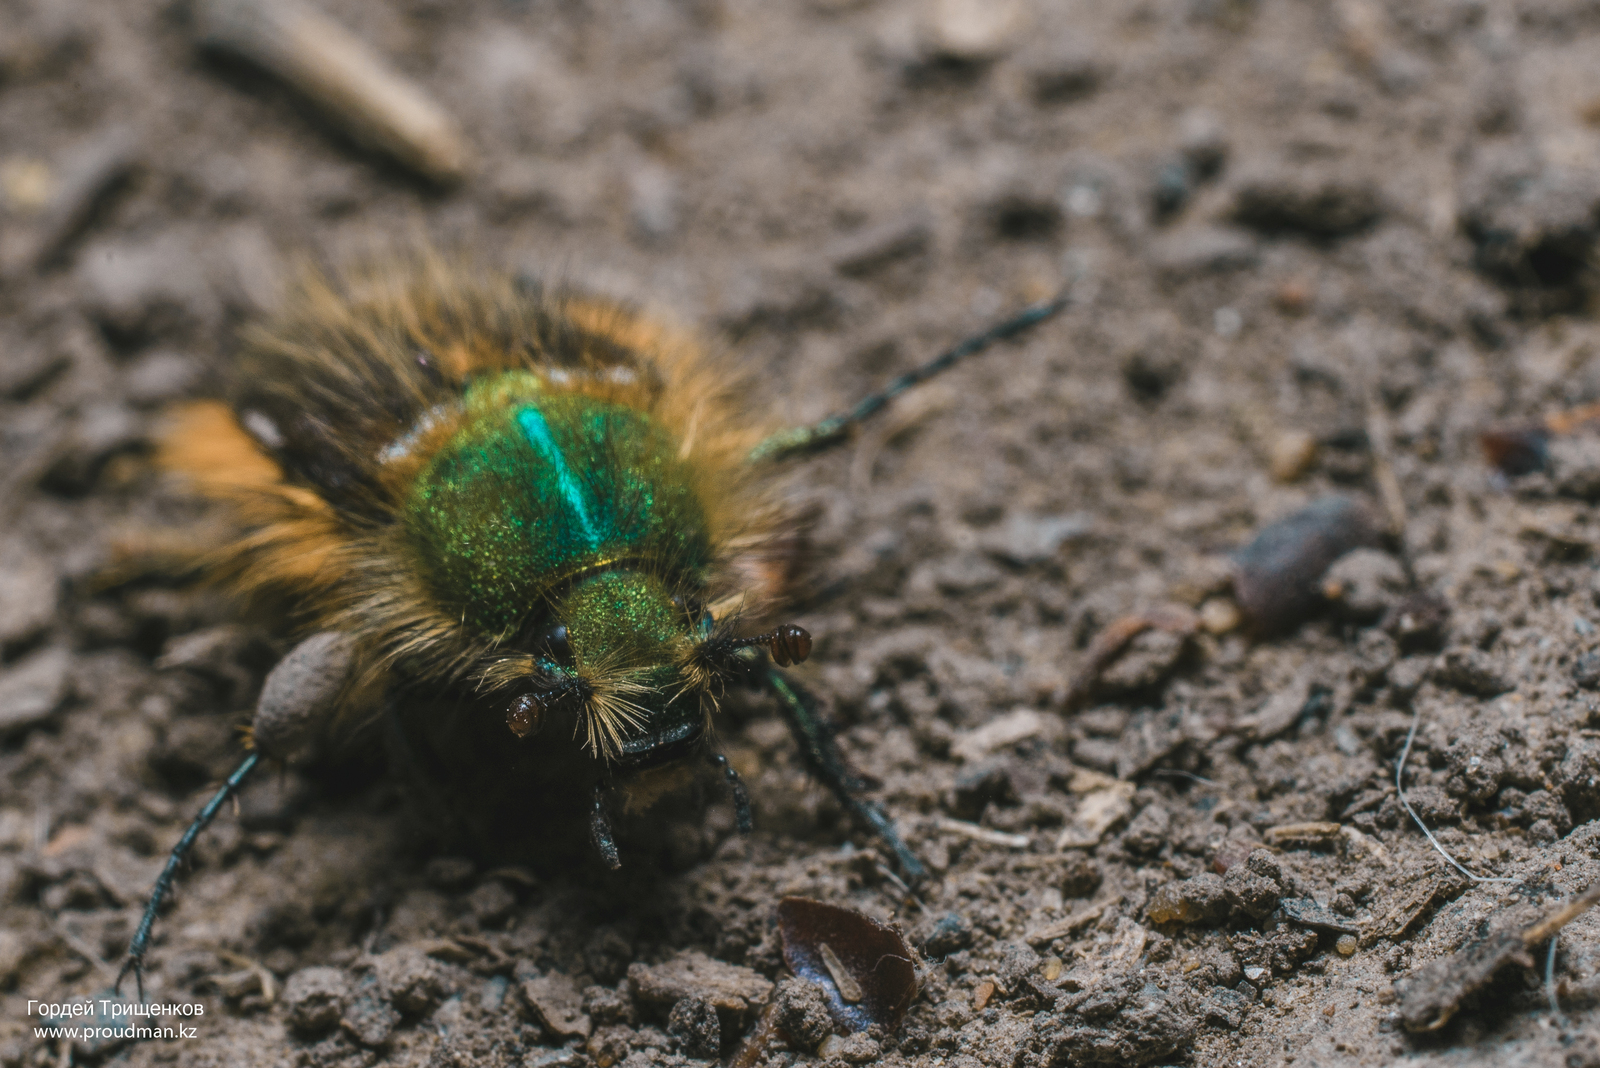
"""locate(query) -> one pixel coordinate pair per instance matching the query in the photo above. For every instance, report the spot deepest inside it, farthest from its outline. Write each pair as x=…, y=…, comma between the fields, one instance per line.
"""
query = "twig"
x=1399, y=771
x=372, y=101
x=984, y=834
x=1378, y=440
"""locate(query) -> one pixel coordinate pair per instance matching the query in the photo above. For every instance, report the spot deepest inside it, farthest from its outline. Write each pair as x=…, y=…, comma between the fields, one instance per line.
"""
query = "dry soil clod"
x=366, y=96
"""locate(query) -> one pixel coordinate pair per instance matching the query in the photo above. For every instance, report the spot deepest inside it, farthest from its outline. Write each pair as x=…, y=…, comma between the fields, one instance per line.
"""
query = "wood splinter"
x=352, y=84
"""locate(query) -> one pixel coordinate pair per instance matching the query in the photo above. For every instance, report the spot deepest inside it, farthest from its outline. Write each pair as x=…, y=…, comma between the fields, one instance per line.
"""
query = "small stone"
x=1419, y=621
x=1080, y=876
x=1255, y=886
x=1470, y=671
x=1578, y=778
x=977, y=787
x=1017, y=962
x=1203, y=141
x=734, y=990
x=34, y=689
x=654, y=194
x=557, y=1004
x=314, y=999
x=1197, y=251
x=1434, y=805
x=607, y=1006
x=491, y=903
x=160, y=377
x=368, y=1018
x=1148, y=831
x=693, y=1022
x=410, y=979
x=971, y=31
x=28, y=593
x=859, y=1048
x=1476, y=769
x=1292, y=455
x=1347, y=945
x=951, y=934
x=1024, y=539
x=801, y=1009
x=1220, y=615
x=1310, y=200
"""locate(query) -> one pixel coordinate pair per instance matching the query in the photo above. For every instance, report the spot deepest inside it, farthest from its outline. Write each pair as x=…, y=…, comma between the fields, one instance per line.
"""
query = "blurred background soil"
x=1309, y=243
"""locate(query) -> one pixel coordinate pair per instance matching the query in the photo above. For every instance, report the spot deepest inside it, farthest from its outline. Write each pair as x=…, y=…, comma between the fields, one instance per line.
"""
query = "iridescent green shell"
x=541, y=486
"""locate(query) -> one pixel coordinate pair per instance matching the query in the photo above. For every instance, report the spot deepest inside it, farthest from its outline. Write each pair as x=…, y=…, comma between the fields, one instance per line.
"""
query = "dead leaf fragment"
x=820, y=940
x=1097, y=813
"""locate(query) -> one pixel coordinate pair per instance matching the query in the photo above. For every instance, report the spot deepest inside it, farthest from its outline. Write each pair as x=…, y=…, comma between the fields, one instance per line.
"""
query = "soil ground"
x=1308, y=243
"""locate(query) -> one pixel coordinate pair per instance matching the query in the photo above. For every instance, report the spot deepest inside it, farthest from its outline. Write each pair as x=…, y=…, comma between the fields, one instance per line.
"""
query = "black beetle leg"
x=600, y=833
x=824, y=760
x=741, y=796
x=141, y=937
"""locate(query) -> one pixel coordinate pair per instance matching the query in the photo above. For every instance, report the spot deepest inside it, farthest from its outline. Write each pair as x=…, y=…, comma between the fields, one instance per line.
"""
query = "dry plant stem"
x=755, y=1047
x=1550, y=927
x=1399, y=772
x=373, y=102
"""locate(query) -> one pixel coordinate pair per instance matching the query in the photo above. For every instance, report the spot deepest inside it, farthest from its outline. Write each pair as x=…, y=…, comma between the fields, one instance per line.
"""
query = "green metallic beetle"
x=522, y=533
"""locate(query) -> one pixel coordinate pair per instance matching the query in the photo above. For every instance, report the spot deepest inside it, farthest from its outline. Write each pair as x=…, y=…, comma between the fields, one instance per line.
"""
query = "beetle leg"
x=605, y=843
x=300, y=694
x=141, y=937
x=741, y=796
x=824, y=760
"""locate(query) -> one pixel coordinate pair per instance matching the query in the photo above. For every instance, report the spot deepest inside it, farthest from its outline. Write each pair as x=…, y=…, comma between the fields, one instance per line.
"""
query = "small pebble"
x=1292, y=455
x=1346, y=945
x=1219, y=615
x=972, y=31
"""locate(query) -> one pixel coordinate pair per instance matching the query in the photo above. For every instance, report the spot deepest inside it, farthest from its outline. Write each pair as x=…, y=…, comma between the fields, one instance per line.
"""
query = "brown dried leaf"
x=875, y=958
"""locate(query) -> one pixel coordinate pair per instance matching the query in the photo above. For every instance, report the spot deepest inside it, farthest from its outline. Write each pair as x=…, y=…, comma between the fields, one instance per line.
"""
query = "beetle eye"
x=557, y=646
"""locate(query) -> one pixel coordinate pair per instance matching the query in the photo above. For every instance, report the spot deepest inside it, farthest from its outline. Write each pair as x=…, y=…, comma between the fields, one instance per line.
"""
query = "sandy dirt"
x=1308, y=244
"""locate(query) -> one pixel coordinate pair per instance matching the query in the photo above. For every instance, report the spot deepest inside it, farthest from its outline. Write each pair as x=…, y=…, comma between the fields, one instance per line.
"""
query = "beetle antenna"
x=741, y=796
x=605, y=843
x=788, y=644
x=804, y=439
